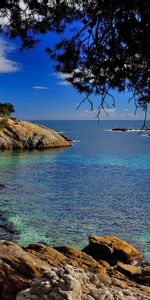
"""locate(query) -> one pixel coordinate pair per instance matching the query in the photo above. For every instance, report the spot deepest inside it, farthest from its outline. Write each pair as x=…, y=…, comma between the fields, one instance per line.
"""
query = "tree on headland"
x=103, y=45
x=6, y=109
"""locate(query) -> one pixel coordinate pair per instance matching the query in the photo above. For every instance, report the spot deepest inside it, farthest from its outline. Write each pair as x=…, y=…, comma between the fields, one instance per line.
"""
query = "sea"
x=100, y=185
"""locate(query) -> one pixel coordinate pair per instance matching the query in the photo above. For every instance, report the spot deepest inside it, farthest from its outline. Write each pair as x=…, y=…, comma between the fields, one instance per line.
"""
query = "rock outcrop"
x=72, y=283
x=112, y=249
x=40, y=272
x=21, y=134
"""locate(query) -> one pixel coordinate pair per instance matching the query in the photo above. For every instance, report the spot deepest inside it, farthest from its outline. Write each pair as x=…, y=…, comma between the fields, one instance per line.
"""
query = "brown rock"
x=18, y=267
x=143, y=279
x=11, y=282
x=112, y=249
x=26, y=264
x=146, y=270
x=47, y=254
x=80, y=259
x=128, y=270
x=23, y=134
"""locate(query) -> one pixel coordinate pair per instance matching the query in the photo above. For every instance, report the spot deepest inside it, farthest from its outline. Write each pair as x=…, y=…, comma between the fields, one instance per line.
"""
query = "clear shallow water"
x=99, y=185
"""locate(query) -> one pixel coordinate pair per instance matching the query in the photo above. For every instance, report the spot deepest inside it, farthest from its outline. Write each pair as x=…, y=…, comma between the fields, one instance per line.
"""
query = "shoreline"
x=106, y=264
x=8, y=232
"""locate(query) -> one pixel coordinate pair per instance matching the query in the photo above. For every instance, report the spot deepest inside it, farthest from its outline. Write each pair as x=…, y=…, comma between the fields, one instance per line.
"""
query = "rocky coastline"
x=26, y=135
x=107, y=269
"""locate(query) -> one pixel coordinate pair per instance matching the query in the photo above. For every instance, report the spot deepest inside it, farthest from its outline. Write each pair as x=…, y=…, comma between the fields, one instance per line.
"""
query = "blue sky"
x=28, y=80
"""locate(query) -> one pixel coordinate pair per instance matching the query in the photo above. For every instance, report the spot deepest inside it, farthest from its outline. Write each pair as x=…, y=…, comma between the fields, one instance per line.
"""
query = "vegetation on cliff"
x=6, y=109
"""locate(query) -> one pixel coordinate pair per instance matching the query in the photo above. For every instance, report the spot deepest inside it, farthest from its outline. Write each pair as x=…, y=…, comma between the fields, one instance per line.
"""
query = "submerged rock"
x=2, y=186
x=7, y=231
x=21, y=134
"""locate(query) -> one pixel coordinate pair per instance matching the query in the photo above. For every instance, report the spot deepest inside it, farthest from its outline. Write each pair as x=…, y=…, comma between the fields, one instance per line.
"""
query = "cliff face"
x=21, y=134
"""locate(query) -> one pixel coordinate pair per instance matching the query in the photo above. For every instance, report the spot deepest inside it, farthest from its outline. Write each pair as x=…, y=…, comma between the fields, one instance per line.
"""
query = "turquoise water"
x=99, y=185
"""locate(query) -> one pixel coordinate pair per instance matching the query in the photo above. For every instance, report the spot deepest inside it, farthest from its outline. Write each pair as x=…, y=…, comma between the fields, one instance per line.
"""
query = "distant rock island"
x=21, y=134
x=122, y=129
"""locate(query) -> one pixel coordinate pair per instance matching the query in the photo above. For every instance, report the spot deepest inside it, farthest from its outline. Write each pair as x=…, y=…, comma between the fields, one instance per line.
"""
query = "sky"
x=29, y=81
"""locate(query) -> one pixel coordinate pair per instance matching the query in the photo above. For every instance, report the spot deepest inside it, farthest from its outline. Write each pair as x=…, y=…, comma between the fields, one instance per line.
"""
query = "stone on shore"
x=144, y=277
x=21, y=134
x=72, y=283
x=112, y=249
x=18, y=267
x=129, y=270
x=80, y=259
x=146, y=270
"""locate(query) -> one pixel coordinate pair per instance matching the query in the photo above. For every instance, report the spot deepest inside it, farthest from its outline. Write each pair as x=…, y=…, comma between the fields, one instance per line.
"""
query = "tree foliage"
x=103, y=45
x=6, y=109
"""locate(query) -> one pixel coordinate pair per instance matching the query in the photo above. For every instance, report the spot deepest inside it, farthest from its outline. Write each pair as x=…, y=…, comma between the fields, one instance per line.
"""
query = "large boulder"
x=112, y=249
x=23, y=134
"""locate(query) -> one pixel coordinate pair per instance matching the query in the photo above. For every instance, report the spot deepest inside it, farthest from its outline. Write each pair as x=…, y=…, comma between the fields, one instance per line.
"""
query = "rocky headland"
x=107, y=269
x=22, y=134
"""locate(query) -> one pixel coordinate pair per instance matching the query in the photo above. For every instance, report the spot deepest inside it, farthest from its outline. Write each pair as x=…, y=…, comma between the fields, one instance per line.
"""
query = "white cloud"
x=63, y=83
x=7, y=65
x=109, y=110
x=63, y=77
x=40, y=87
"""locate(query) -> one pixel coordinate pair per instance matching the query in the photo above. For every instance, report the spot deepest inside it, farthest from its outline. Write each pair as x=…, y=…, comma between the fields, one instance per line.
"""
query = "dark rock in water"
x=67, y=138
x=7, y=232
x=122, y=129
x=2, y=186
